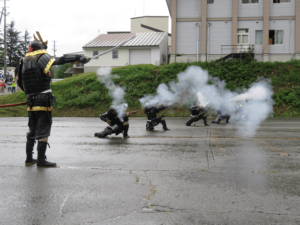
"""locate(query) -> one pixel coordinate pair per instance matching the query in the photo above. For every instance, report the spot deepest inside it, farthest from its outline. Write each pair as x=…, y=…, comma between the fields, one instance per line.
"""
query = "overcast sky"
x=74, y=23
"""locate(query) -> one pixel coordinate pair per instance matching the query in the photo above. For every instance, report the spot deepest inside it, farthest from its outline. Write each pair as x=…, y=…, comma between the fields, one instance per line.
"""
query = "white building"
x=211, y=29
x=145, y=48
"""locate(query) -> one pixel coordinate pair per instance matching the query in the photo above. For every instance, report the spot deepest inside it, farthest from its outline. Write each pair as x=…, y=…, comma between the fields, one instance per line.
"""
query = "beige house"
x=151, y=24
x=145, y=48
x=210, y=29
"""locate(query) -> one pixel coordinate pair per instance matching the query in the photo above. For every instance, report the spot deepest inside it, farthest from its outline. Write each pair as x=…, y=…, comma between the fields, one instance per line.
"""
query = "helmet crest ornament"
x=40, y=38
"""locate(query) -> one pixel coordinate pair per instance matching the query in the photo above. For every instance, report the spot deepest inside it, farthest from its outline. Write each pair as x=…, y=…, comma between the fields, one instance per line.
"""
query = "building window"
x=258, y=37
x=243, y=36
x=281, y=1
x=80, y=65
x=250, y=1
x=210, y=1
x=115, y=54
x=276, y=37
x=95, y=53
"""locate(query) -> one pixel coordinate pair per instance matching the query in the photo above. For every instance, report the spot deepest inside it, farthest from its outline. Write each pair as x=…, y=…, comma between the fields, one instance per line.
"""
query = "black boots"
x=29, y=151
x=163, y=122
x=188, y=123
x=42, y=162
x=125, y=131
x=205, y=122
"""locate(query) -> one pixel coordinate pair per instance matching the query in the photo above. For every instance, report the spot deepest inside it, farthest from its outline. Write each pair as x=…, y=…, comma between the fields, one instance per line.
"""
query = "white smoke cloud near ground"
x=116, y=92
x=192, y=86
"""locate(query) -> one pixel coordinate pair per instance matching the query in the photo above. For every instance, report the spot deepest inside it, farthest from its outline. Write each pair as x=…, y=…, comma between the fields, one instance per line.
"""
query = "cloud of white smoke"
x=116, y=92
x=192, y=86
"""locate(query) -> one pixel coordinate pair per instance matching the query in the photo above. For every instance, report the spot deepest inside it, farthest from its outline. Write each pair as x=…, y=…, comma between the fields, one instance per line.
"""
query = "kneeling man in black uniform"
x=116, y=125
x=223, y=113
x=153, y=120
x=197, y=113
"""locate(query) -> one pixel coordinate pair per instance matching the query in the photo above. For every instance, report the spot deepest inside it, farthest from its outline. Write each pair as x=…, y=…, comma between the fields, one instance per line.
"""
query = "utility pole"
x=5, y=44
x=54, y=57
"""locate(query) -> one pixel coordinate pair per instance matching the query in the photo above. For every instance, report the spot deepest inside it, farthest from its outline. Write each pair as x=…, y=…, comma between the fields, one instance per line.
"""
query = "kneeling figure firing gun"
x=116, y=125
x=153, y=120
x=197, y=113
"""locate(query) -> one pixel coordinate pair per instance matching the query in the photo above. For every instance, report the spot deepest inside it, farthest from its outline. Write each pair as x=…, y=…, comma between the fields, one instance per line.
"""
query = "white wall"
x=251, y=10
x=282, y=9
x=289, y=36
x=155, y=56
x=220, y=8
x=253, y=26
x=163, y=49
x=220, y=34
x=107, y=60
x=188, y=8
x=186, y=42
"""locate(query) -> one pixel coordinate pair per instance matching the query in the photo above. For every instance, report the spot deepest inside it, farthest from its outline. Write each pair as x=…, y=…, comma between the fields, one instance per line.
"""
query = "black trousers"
x=39, y=124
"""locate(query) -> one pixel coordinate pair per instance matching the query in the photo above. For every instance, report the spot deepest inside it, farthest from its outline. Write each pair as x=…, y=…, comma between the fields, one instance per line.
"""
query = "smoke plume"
x=116, y=92
x=196, y=86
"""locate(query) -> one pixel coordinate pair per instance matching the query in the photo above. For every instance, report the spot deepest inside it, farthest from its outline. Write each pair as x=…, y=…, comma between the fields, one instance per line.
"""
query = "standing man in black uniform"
x=197, y=113
x=116, y=126
x=153, y=120
x=223, y=113
x=34, y=80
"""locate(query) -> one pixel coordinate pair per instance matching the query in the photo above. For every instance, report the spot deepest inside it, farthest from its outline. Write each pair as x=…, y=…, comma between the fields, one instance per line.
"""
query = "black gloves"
x=84, y=59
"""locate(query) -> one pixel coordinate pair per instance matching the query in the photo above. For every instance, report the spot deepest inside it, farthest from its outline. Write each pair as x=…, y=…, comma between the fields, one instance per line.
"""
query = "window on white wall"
x=210, y=1
x=281, y=1
x=258, y=37
x=243, y=36
x=250, y=1
x=276, y=37
x=115, y=54
x=95, y=53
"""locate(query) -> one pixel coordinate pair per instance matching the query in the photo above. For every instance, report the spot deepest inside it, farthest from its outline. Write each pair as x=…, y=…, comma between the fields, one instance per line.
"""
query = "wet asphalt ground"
x=189, y=175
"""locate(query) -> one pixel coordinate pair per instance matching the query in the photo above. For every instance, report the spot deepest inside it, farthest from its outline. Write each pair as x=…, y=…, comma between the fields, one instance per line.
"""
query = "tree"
x=25, y=43
x=60, y=71
x=14, y=48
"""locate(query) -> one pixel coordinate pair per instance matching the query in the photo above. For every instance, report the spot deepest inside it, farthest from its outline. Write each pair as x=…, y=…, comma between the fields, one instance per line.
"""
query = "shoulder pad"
x=45, y=61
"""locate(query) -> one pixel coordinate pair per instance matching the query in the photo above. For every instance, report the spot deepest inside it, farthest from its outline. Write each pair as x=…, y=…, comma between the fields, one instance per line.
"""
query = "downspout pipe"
x=198, y=29
x=208, y=41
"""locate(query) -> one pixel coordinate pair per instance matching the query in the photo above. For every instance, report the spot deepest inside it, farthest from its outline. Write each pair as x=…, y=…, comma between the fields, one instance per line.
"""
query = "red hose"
x=16, y=104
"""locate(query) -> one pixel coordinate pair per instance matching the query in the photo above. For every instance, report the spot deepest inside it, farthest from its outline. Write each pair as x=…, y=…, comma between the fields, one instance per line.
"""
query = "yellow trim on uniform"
x=39, y=108
x=47, y=68
x=125, y=123
x=37, y=52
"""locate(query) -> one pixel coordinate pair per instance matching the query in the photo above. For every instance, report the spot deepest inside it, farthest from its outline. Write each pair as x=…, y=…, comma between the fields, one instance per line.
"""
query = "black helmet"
x=112, y=110
x=38, y=44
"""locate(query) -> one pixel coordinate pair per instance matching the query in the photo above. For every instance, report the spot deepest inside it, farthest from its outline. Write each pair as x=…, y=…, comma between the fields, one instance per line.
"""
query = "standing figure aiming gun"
x=116, y=125
x=153, y=120
x=197, y=113
x=34, y=80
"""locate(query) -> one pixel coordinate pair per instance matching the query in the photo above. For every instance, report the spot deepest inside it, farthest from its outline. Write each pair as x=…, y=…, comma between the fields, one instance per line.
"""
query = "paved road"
x=189, y=175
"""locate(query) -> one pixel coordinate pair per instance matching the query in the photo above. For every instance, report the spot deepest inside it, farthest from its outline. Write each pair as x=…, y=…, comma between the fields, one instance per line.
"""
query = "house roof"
x=141, y=39
x=148, y=17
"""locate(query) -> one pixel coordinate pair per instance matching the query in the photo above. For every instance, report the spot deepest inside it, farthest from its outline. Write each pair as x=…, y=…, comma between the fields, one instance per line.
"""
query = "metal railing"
x=229, y=49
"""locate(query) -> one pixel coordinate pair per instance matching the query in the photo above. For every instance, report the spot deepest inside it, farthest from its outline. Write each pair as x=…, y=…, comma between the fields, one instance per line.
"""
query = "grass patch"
x=83, y=96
